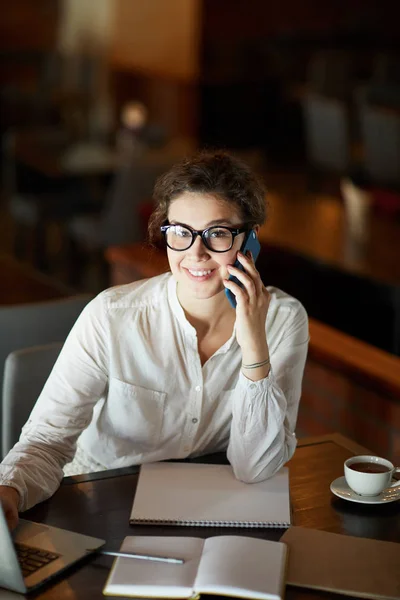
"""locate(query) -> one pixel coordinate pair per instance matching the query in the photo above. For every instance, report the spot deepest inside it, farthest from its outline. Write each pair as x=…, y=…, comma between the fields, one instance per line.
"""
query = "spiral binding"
x=177, y=522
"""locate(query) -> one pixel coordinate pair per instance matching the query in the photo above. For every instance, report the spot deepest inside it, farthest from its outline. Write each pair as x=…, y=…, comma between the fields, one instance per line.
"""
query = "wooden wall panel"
x=332, y=401
x=27, y=25
x=158, y=37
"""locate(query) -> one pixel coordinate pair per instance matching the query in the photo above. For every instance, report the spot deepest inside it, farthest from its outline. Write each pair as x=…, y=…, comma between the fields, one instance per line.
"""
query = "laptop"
x=34, y=553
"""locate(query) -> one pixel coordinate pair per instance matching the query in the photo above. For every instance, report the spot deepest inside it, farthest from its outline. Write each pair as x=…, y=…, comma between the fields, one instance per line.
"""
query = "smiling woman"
x=199, y=261
x=165, y=368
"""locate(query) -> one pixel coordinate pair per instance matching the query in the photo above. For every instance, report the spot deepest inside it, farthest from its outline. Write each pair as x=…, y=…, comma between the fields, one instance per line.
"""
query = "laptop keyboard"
x=31, y=559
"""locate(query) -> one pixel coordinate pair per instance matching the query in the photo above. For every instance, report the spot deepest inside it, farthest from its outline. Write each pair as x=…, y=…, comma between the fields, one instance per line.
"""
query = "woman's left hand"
x=252, y=302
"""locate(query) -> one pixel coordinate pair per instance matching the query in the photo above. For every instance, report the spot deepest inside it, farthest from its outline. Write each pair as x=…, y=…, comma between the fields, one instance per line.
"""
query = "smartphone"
x=250, y=243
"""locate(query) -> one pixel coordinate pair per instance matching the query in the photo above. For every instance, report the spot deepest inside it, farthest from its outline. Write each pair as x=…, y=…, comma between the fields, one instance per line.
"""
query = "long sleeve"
x=264, y=413
x=64, y=408
x=112, y=387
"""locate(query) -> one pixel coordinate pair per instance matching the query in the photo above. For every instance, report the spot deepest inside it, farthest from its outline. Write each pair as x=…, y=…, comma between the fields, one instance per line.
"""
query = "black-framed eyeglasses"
x=217, y=238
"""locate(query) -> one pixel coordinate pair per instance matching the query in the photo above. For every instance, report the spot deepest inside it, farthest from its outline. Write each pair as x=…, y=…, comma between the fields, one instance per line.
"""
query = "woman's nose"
x=198, y=248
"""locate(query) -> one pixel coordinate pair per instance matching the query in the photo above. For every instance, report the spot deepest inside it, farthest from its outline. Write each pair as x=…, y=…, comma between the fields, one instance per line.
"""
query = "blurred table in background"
x=351, y=285
x=316, y=226
x=52, y=155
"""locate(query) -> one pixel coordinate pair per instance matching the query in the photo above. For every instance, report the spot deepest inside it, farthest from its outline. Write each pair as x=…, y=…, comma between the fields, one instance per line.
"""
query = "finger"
x=245, y=280
x=266, y=292
x=250, y=268
x=266, y=295
x=239, y=292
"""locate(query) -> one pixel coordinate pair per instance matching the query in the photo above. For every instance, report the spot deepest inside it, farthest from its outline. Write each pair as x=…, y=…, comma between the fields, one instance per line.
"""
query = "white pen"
x=167, y=559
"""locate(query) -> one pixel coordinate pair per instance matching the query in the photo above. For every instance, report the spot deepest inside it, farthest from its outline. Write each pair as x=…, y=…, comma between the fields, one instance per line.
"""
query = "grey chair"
x=380, y=129
x=329, y=72
x=386, y=69
x=25, y=325
x=327, y=133
x=25, y=373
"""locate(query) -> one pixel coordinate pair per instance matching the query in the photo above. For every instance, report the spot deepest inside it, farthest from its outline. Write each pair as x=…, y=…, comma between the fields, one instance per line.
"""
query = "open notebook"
x=199, y=494
x=225, y=565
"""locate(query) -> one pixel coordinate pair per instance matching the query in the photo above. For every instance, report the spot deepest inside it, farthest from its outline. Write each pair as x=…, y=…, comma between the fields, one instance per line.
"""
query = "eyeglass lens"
x=216, y=238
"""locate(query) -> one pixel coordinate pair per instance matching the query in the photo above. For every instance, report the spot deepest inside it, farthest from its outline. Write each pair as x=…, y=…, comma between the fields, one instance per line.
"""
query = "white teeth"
x=199, y=273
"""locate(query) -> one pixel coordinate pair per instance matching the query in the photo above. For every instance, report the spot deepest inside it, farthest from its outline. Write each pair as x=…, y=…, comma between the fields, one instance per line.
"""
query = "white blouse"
x=130, y=385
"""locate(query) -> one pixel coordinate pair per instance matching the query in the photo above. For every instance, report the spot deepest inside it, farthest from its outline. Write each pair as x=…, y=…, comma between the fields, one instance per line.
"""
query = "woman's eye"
x=182, y=232
x=219, y=233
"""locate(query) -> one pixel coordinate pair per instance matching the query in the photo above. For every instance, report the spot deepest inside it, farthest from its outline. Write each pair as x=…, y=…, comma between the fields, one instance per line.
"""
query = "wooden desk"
x=99, y=505
x=21, y=284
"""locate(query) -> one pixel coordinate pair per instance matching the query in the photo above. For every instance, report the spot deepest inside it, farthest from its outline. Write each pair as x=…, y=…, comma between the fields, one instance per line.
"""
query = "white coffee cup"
x=370, y=475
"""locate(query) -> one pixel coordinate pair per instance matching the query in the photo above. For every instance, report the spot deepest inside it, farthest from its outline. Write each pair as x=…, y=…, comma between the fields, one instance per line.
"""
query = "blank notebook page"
x=201, y=494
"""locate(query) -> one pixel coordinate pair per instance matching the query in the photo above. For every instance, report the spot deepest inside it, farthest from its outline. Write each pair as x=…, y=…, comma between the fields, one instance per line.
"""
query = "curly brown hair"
x=210, y=172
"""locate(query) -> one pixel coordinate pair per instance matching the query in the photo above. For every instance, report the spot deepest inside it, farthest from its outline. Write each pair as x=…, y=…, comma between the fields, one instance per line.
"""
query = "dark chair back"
x=37, y=323
x=381, y=139
x=327, y=133
x=25, y=373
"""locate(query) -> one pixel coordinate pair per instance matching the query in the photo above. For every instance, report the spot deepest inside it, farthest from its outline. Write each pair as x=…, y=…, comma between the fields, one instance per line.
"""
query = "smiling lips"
x=199, y=275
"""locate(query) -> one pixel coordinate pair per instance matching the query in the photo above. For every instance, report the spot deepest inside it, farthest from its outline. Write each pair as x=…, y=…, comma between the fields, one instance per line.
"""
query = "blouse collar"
x=181, y=317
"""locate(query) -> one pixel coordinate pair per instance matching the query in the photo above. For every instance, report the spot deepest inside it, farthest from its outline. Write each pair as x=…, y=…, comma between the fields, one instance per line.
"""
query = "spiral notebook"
x=197, y=494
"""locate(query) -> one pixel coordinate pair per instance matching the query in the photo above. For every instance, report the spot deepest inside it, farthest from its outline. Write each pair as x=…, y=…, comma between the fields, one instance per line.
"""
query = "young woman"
x=165, y=368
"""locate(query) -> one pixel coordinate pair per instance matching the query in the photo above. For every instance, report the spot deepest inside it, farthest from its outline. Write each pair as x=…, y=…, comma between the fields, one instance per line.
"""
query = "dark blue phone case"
x=250, y=243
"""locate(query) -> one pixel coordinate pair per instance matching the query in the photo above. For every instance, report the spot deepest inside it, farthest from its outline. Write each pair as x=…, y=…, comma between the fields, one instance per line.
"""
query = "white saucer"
x=340, y=488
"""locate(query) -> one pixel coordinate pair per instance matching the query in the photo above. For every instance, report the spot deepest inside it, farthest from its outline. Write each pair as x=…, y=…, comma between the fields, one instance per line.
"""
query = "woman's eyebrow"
x=218, y=222
x=209, y=224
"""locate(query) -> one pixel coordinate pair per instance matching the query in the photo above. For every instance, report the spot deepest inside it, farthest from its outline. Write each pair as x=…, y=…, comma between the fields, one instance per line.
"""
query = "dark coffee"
x=369, y=467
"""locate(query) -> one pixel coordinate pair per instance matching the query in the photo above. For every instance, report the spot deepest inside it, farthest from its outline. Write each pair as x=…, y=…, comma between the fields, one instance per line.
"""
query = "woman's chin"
x=201, y=290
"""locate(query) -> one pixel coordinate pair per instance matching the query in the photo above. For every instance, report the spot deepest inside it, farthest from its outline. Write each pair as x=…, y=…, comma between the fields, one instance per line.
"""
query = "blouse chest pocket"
x=135, y=414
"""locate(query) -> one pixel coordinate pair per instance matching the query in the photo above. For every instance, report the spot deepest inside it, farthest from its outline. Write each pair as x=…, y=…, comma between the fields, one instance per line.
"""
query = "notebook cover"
x=198, y=494
x=359, y=567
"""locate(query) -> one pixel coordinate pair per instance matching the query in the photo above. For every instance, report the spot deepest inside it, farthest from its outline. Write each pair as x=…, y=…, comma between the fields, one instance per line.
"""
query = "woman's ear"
x=256, y=228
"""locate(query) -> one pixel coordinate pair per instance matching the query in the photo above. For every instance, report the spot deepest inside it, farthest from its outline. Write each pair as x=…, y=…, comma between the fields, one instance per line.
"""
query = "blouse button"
x=194, y=420
x=198, y=388
x=253, y=386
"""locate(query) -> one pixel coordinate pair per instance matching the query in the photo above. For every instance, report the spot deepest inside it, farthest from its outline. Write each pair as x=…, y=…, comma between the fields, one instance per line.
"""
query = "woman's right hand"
x=9, y=498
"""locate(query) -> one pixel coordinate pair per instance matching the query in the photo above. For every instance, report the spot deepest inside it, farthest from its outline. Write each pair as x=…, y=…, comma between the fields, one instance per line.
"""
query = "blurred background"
x=99, y=97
